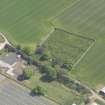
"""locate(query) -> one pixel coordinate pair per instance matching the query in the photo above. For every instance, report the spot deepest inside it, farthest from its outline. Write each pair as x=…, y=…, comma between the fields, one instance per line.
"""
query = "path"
x=82, y=56
x=47, y=36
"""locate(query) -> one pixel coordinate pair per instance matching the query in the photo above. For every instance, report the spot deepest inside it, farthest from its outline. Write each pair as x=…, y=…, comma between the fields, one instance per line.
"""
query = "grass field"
x=26, y=22
x=55, y=90
x=67, y=47
x=87, y=18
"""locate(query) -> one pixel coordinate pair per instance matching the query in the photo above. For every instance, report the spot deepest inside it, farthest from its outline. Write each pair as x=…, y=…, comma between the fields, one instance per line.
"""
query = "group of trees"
x=52, y=67
x=27, y=74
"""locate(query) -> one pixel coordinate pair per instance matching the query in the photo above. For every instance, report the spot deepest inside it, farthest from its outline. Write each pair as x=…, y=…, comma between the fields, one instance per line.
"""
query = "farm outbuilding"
x=102, y=91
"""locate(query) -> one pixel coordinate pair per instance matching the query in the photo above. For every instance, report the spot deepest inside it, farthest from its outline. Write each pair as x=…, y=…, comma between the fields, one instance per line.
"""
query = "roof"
x=10, y=59
x=103, y=90
x=94, y=103
x=73, y=104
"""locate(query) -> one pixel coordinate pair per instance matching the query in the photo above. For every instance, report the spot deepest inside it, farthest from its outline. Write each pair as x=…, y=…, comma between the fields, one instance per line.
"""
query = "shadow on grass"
x=22, y=78
x=46, y=78
x=32, y=94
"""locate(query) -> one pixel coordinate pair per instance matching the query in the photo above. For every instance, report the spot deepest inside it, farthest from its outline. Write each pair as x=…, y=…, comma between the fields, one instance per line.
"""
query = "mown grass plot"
x=67, y=47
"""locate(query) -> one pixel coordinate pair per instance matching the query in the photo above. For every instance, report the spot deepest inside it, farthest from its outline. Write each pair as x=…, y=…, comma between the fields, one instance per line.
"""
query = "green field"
x=87, y=18
x=67, y=47
x=26, y=22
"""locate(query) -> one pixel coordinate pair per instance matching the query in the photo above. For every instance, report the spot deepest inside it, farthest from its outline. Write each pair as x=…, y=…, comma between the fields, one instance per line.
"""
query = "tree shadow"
x=32, y=94
x=46, y=78
x=20, y=77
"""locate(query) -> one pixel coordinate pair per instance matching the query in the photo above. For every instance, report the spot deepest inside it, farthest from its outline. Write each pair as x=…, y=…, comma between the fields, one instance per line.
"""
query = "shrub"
x=55, y=62
x=28, y=73
x=38, y=91
x=44, y=57
x=40, y=50
x=67, y=66
x=18, y=47
x=27, y=50
x=51, y=73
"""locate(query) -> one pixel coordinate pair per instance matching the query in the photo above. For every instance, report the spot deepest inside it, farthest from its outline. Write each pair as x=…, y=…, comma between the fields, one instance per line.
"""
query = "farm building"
x=11, y=64
x=102, y=91
x=10, y=59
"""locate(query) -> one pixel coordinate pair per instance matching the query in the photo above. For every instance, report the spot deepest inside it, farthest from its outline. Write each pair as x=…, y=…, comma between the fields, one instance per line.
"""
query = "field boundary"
x=47, y=36
x=74, y=34
x=82, y=56
x=85, y=44
x=66, y=8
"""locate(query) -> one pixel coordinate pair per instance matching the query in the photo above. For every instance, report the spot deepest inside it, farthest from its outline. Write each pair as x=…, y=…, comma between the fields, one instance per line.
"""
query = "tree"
x=28, y=73
x=27, y=50
x=51, y=73
x=67, y=66
x=40, y=50
x=38, y=91
x=18, y=47
x=61, y=73
x=55, y=62
x=44, y=57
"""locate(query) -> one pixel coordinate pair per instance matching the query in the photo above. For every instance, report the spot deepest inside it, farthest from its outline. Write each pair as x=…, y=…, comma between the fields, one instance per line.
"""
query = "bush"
x=44, y=57
x=67, y=66
x=28, y=73
x=27, y=50
x=51, y=73
x=18, y=47
x=55, y=62
x=61, y=74
x=40, y=50
x=38, y=91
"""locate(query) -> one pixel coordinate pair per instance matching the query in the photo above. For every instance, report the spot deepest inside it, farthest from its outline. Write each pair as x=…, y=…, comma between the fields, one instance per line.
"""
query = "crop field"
x=26, y=22
x=87, y=18
x=67, y=47
x=14, y=94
